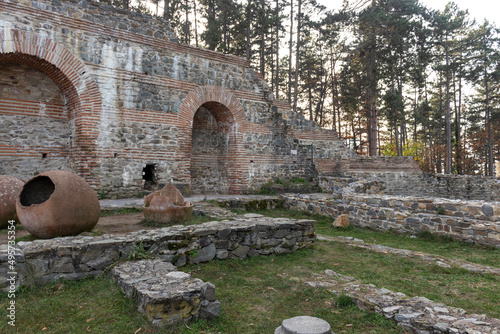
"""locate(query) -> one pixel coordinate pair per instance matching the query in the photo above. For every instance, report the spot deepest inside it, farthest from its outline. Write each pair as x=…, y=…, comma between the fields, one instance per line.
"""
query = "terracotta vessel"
x=57, y=204
x=10, y=188
x=167, y=206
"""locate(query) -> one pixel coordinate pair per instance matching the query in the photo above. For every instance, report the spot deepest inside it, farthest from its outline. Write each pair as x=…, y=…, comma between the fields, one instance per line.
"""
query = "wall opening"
x=212, y=139
x=150, y=177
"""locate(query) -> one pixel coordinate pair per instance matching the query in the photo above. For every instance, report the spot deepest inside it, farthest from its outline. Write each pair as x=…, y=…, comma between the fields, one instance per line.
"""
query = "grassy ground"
x=257, y=294
x=196, y=219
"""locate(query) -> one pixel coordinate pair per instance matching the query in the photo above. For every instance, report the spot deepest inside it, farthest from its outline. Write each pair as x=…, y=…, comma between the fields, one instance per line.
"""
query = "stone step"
x=163, y=294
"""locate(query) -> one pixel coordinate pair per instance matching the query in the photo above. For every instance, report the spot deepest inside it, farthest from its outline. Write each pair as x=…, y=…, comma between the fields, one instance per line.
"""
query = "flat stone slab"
x=304, y=325
x=165, y=295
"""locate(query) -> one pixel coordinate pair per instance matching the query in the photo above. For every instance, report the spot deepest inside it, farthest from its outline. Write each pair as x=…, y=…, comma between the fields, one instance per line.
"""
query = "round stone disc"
x=304, y=325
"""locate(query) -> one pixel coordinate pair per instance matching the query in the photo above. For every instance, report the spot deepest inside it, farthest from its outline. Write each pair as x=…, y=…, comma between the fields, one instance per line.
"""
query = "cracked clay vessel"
x=10, y=188
x=57, y=204
x=167, y=206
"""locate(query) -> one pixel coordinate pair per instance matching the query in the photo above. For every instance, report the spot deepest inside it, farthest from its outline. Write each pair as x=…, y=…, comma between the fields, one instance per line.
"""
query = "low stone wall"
x=403, y=183
x=414, y=314
x=44, y=261
x=470, y=221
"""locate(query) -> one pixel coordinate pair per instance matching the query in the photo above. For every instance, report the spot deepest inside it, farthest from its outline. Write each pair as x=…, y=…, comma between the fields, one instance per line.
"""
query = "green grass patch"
x=86, y=306
x=121, y=211
x=29, y=237
x=257, y=294
x=196, y=219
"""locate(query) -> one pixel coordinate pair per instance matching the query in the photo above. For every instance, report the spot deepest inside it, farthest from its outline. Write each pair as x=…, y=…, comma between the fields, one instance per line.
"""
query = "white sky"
x=478, y=9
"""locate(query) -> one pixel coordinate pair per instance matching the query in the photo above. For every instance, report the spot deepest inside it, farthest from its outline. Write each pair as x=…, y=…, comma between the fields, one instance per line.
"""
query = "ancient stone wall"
x=131, y=92
x=470, y=221
x=43, y=261
x=402, y=183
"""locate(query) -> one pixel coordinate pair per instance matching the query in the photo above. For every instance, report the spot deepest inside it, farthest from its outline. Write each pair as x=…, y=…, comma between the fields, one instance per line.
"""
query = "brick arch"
x=216, y=98
x=80, y=90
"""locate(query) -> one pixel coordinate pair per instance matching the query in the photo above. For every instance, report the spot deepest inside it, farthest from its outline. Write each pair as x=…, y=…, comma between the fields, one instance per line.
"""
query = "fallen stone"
x=341, y=221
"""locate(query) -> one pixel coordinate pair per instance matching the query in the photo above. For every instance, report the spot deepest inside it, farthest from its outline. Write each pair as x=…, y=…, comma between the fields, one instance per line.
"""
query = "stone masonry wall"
x=470, y=221
x=43, y=261
x=402, y=183
x=34, y=117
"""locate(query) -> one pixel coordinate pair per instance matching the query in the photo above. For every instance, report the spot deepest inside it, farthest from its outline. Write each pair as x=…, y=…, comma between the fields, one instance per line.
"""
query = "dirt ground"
x=117, y=224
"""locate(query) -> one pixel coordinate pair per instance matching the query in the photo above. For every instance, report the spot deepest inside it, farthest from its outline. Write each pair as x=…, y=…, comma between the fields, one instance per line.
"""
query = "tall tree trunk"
x=372, y=89
x=488, y=124
x=187, y=33
x=448, y=112
x=212, y=44
x=249, y=48
x=415, y=105
x=456, y=105
x=262, y=40
x=334, y=93
x=290, y=55
x=277, y=76
x=309, y=93
x=195, y=23
x=459, y=127
x=297, y=60
x=166, y=10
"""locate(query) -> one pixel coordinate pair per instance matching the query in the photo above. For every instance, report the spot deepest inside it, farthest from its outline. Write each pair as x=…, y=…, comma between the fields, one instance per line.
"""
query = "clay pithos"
x=57, y=204
x=167, y=206
x=10, y=188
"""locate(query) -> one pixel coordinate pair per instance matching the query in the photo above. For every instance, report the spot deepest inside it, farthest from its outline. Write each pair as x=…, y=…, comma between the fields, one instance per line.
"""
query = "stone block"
x=163, y=294
x=63, y=265
x=341, y=221
x=205, y=254
x=240, y=252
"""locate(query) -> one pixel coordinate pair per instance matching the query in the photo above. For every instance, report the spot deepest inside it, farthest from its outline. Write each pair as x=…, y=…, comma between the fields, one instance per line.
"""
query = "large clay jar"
x=57, y=204
x=10, y=188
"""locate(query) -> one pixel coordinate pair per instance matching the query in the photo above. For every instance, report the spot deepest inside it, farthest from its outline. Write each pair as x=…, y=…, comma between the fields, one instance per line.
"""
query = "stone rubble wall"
x=416, y=314
x=403, y=183
x=44, y=261
x=469, y=221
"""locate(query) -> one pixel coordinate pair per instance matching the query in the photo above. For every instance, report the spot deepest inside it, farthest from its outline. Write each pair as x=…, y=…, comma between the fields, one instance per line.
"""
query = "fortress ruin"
x=113, y=96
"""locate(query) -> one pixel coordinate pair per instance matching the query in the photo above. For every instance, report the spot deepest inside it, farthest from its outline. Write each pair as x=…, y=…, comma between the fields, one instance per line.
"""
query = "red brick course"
x=68, y=73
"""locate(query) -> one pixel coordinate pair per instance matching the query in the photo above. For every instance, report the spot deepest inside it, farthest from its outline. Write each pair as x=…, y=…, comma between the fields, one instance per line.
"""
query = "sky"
x=478, y=9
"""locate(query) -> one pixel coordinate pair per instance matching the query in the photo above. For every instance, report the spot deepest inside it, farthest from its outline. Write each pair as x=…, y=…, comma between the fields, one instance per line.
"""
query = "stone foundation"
x=408, y=183
x=469, y=221
x=44, y=261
